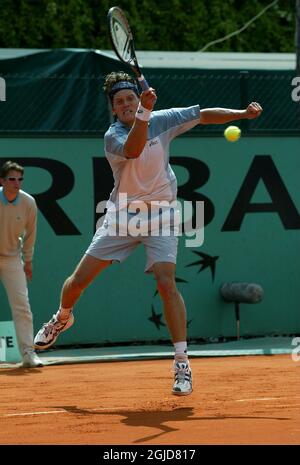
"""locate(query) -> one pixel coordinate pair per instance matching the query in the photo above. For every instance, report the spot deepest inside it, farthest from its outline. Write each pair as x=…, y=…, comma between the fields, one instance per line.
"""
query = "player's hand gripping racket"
x=122, y=42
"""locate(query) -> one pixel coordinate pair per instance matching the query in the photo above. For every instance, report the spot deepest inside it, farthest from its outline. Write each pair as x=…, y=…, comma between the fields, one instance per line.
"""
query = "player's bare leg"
x=175, y=316
x=174, y=308
x=86, y=271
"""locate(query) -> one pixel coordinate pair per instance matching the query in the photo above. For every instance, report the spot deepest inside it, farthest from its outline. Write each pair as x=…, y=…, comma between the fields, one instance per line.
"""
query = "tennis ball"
x=232, y=133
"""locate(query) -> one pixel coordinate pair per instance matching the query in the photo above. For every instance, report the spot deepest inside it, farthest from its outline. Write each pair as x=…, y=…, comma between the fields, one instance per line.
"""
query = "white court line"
x=267, y=398
x=255, y=399
x=32, y=413
x=49, y=412
x=126, y=409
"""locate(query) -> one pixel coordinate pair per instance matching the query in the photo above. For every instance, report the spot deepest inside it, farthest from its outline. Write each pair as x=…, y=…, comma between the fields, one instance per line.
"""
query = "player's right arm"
x=137, y=136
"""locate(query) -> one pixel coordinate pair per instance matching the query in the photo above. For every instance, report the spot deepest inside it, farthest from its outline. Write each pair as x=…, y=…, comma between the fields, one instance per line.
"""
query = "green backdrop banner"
x=60, y=92
x=251, y=195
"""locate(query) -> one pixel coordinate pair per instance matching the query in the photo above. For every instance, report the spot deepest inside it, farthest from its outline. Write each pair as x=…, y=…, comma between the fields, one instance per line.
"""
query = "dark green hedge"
x=157, y=24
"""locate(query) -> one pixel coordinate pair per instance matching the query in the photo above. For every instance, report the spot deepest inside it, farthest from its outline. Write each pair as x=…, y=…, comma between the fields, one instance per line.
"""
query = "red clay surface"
x=236, y=400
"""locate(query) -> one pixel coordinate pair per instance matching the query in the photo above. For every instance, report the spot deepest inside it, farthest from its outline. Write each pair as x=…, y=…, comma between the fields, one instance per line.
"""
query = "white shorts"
x=159, y=248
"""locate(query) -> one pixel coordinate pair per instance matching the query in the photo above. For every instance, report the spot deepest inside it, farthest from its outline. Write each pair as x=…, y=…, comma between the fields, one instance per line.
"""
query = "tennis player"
x=137, y=148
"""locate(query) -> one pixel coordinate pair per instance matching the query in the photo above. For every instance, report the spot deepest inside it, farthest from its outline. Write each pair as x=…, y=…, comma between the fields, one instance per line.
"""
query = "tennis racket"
x=122, y=42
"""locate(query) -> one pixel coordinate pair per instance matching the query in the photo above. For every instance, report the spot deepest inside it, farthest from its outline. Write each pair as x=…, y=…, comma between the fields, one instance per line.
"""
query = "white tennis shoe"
x=50, y=331
x=183, y=378
x=31, y=360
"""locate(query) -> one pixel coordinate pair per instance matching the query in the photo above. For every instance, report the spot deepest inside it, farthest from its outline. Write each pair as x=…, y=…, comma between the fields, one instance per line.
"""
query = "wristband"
x=142, y=113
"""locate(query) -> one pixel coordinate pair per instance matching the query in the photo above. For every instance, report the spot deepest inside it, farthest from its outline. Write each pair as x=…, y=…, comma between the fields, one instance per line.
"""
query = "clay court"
x=236, y=400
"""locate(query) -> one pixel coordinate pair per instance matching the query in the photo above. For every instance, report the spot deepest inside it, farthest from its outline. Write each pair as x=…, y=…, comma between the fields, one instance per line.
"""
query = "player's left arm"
x=226, y=115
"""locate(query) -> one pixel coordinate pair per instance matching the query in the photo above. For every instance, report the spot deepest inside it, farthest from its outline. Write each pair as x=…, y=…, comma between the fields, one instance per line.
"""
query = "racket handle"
x=143, y=83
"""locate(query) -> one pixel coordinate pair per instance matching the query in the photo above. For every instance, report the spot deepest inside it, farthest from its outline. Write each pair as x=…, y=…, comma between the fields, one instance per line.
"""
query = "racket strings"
x=121, y=36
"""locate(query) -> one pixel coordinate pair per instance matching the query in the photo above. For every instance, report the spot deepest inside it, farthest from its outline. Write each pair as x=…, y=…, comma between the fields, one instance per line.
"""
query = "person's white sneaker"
x=50, y=331
x=183, y=378
x=31, y=360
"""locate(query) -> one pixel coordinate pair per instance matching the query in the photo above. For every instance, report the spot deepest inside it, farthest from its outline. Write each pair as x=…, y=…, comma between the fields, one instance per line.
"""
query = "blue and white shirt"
x=150, y=176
